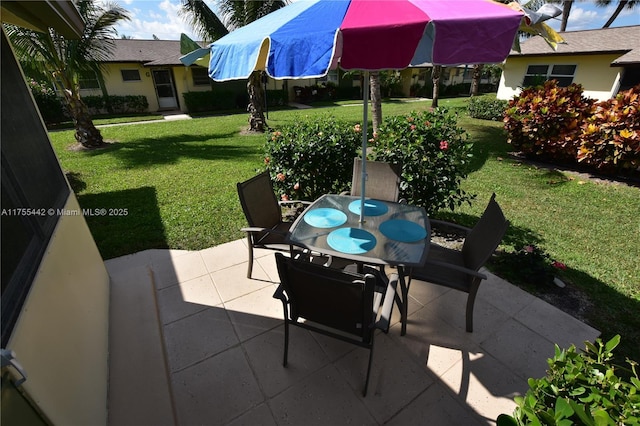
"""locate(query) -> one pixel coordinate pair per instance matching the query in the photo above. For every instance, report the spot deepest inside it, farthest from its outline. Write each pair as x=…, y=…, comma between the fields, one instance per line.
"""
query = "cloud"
x=159, y=18
x=580, y=19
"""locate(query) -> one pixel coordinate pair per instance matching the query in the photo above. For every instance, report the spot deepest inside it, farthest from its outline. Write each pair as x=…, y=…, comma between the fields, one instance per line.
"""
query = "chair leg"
x=286, y=343
x=250, y=245
x=366, y=382
x=471, y=299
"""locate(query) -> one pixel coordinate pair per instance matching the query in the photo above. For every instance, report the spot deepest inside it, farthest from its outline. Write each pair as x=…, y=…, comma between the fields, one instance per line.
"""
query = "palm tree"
x=235, y=14
x=63, y=61
x=622, y=4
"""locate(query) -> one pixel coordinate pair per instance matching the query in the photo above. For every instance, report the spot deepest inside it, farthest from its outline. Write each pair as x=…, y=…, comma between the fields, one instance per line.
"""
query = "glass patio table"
x=392, y=234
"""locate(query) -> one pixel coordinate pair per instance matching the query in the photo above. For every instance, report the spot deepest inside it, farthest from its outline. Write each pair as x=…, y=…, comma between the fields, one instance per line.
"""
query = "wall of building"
x=61, y=336
x=598, y=79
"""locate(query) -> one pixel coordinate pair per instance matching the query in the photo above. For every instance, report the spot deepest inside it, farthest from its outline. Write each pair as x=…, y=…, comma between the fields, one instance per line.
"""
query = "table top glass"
x=391, y=234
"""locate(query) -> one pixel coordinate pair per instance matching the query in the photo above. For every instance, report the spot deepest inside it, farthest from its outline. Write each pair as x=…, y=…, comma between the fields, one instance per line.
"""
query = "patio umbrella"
x=309, y=37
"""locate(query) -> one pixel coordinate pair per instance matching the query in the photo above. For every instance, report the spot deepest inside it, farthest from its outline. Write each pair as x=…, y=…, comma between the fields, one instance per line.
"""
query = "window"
x=88, y=80
x=538, y=74
x=130, y=75
x=33, y=189
x=200, y=76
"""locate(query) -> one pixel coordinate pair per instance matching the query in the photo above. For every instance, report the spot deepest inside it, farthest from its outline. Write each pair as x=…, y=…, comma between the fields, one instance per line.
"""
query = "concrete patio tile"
x=197, y=337
x=485, y=385
x=187, y=298
x=173, y=270
x=438, y=406
x=323, y=398
x=261, y=415
x=396, y=378
x=266, y=351
x=141, y=258
x=503, y=295
x=268, y=264
x=216, y=390
x=556, y=325
x=255, y=313
x=424, y=292
x=520, y=349
x=225, y=255
x=232, y=282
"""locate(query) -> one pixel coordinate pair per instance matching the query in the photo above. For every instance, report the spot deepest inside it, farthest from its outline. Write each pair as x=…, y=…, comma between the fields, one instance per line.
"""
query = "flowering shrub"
x=312, y=157
x=487, y=108
x=543, y=121
x=530, y=265
x=49, y=104
x=610, y=138
x=434, y=156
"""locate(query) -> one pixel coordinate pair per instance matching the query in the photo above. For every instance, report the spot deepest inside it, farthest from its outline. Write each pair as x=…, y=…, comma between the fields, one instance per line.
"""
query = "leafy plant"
x=49, y=104
x=312, y=157
x=486, y=108
x=433, y=154
x=543, y=121
x=581, y=389
x=610, y=138
x=529, y=265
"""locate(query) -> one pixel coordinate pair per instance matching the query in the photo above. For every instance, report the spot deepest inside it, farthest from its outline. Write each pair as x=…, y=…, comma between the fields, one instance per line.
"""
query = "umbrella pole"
x=365, y=119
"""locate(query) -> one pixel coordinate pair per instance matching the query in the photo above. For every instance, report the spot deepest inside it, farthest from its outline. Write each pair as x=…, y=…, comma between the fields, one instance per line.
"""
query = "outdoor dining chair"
x=459, y=269
x=263, y=211
x=383, y=180
x=339, y=304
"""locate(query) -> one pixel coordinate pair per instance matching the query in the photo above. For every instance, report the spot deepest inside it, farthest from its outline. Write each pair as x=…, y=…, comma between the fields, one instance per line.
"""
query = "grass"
x=108, y=119
x=177, y=181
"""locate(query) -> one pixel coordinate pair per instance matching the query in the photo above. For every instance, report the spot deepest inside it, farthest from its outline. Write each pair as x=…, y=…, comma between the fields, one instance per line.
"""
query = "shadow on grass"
x=170, y=149
x=488, y=141
x=124, y=222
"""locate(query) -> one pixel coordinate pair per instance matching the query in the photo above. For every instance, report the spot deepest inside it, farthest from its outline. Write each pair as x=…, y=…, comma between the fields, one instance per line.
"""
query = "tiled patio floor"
x=214, y=357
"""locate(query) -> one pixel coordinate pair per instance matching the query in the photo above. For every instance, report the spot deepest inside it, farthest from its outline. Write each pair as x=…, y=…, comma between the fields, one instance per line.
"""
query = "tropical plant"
x=487, y=108
x=235, y=14
x=63, y=61
x=312, y=157
x=622, y=4
x=433, y=154
x=581, y=389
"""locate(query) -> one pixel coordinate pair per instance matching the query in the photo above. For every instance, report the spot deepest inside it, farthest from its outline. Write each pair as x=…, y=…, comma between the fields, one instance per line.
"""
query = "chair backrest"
x=485, y=237
x=259, y=202
x=383, y=180
x=330, y=297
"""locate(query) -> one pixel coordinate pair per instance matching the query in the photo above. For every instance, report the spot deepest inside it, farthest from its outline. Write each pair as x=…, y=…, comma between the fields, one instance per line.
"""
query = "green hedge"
x=114, y=104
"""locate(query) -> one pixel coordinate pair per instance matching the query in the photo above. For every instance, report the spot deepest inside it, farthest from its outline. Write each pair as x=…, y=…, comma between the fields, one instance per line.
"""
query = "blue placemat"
x=371, y=207
x=351, y=240
x=402, y=230
x=325, y=218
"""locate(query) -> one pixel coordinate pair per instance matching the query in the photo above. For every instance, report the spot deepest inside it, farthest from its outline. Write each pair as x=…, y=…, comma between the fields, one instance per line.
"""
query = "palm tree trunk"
x=621, y=5
x=376, y=100
x=257, y=122
x=86, y=133
x=566, y=9
x=475, y=80
x=435, y=76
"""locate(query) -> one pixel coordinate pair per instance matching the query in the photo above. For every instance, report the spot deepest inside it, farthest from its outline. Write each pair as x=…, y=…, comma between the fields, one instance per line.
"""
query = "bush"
x=610, y=138
x=114, y=104
x=487, y=108
x=542, y=121
x=214, y=100
x=433, y=154
x=581, y=389
x=312, y=157
x=50, y=105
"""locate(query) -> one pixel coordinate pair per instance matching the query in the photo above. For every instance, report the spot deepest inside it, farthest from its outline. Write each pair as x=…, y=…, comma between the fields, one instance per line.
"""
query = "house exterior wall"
x=598, y=79
x=61, y=336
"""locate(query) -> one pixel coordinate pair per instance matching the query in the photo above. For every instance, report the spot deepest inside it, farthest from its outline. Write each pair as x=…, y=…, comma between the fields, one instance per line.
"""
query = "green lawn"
x=177, y=181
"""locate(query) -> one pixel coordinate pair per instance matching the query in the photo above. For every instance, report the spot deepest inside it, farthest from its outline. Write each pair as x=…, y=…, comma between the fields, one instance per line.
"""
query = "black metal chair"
x=339, y=304
x=383, y=180
x=264, y=215
x=459, y=269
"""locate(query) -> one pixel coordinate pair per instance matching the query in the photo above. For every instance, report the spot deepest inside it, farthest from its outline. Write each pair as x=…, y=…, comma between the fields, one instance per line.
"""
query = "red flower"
x=280, y=177
x=413, y=127
x=444, y=145
x=559, y=265
x=284, y=197
x=266, y=160
x=296, y=186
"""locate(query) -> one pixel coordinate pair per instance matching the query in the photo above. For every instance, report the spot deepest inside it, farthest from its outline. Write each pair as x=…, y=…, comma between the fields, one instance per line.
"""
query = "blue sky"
x=162, y=18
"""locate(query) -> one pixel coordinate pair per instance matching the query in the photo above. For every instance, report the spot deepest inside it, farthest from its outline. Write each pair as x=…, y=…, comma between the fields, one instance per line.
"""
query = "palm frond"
x=205, y=23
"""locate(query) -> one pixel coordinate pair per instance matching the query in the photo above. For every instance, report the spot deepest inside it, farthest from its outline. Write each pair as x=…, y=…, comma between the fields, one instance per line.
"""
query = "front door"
x=165, y=89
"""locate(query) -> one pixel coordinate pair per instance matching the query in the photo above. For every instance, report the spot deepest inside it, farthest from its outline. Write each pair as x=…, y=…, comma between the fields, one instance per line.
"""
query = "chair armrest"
x=279, y=294
x=456, y=268
x=446, y=224
x=306, y=203
x=252, y=229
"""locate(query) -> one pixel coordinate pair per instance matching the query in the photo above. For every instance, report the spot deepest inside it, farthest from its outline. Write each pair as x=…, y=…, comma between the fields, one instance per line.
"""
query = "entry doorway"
x=165, y=89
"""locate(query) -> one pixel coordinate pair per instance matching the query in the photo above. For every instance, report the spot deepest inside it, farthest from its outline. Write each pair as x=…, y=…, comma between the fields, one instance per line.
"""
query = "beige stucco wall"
x=61, y=336
x=599, y=80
